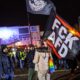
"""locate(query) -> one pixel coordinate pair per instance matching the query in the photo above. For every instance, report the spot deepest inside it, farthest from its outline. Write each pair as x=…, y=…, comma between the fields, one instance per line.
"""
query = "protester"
x=22, y=57
x=72, y=63
x=6, y=64
x=30, y=57
x=41, y=61
x=11, y=55
x=14, y=50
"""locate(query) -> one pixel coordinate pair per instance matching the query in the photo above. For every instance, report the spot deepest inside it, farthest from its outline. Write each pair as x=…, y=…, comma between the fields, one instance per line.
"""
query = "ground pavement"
x=22, y=74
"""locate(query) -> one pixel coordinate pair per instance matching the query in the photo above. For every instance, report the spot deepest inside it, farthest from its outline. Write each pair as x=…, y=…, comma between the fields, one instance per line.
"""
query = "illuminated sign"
x=13, y=34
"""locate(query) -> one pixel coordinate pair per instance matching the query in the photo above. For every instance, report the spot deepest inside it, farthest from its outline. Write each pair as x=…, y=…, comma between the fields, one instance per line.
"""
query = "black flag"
x=39, y=6
x=47, y=28
x=63, y=39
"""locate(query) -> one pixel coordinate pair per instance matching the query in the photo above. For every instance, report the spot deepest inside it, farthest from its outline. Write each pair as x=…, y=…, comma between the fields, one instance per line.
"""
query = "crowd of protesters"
x=35, y=57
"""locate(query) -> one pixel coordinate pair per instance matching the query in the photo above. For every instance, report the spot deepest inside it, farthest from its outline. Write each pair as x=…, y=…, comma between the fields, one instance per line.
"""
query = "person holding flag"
x=41, y=58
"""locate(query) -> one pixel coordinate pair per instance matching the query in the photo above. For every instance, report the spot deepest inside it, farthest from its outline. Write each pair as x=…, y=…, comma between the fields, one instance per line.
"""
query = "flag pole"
x=28, y=16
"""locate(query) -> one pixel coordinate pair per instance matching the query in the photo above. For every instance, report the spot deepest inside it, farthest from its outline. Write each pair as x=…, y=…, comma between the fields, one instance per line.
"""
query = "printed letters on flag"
x=64, y=39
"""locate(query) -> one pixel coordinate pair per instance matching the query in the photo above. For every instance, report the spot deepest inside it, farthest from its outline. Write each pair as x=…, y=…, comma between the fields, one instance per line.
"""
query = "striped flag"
x=51, y=65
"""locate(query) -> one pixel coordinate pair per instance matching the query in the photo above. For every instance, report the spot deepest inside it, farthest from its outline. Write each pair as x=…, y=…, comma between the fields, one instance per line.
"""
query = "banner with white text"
x=64, y=39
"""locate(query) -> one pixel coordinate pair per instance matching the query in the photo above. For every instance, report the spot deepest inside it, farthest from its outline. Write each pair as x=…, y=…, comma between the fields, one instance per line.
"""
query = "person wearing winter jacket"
x=6, y=65
x=41, y=59
x=30, y=57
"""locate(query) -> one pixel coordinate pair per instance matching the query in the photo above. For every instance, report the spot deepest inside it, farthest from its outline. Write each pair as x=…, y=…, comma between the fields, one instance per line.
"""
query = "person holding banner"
x=50, y=61
x=41, y=59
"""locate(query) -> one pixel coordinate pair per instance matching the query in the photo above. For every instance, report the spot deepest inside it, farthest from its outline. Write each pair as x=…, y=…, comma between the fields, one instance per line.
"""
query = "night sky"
x=13, y=13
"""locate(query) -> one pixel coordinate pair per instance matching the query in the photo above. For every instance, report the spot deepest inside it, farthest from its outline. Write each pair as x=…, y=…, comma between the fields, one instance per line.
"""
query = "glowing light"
x=68, y=26
x=18, y=43
x=73, y=32
x=5, y=33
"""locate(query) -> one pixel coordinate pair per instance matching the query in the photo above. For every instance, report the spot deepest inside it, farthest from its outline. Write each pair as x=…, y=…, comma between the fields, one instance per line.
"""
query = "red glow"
x=53, y=48
x=68, y=26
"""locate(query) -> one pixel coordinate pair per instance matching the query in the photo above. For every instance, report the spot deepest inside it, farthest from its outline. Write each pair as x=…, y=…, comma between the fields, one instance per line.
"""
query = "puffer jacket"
x=5, y=65
x=41, y=61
